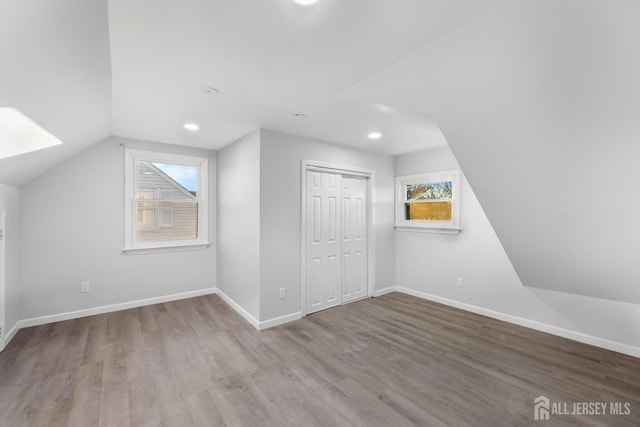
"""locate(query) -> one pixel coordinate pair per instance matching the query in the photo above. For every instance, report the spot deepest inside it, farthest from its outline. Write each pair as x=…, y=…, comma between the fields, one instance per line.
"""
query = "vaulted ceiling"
x=85, y=70
x=538, y=99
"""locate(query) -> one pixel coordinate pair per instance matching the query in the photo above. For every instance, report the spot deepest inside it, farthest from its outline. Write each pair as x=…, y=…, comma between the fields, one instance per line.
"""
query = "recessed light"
x=375, y=135
x=210, y=90
x=306, y=2
x=192, y=127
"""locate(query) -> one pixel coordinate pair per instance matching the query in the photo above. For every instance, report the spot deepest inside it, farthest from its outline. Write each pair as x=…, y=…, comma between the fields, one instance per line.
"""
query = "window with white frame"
x=429, y=202
x=166, y=200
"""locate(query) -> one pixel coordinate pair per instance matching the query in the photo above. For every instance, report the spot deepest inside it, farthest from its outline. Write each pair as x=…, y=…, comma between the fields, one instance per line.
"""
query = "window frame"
x=132, y=157
x=429, y=226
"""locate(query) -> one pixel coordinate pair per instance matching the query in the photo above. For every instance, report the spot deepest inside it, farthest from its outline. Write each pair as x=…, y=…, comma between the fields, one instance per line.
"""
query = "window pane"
x=430, y=191
x=167, y=207
x=176, y=221
x=185, y=175
x=428, y=211
x=146, y=216
x=165, y=212
x=156, y=176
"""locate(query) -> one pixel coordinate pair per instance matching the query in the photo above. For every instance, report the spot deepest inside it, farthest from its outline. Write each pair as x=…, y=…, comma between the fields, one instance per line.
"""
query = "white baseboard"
x=41, y=320
x=276, y=321
x=384, y=291
x=241, y=311
x=9, y=335
x=259, y=325
x=76, y=314
x=532, y=324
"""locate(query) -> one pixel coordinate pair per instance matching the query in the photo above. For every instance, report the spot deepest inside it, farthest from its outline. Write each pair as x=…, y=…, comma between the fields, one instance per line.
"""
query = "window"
x=166, y=203
x=429, y=202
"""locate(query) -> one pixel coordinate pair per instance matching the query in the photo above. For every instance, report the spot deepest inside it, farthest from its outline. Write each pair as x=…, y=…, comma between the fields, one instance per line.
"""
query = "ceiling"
x=86, y=70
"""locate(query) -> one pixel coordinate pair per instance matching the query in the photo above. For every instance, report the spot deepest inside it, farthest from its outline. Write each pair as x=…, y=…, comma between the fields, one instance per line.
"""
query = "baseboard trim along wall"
x=76, y=314
x=259, y=325
x=9, y=336
x=35, y=321
x=277, y=321
x=238, y=309
x=384, y=291
x=532, y=324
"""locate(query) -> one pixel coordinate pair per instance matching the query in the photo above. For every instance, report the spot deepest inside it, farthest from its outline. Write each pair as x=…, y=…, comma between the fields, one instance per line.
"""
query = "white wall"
x=10, y=200
x=239, y=222
x=280, y=195
x=430, y=264
x=72, y=222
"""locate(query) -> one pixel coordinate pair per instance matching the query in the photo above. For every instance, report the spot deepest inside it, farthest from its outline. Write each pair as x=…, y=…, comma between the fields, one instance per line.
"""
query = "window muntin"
x=166, y=200
x=428, y=201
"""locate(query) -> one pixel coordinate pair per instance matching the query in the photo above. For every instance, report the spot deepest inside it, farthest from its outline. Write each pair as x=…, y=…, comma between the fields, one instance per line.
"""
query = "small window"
x=166, y=203
x=429, y=201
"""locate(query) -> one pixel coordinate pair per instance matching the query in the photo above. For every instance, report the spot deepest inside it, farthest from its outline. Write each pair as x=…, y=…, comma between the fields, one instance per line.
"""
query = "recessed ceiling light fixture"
x=374, y=135
x=191, y=127
x=210, y=90
x=19, y=134
x=306, y=2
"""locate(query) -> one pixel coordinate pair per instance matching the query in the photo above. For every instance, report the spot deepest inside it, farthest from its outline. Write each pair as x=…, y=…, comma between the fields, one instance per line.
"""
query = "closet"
x=336, y=239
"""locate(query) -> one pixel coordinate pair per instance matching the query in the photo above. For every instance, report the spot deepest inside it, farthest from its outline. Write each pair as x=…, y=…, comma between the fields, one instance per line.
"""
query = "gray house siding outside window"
x=165, y=210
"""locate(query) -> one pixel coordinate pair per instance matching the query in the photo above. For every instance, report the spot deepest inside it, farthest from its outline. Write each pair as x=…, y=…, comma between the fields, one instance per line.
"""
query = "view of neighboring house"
x=165, y=209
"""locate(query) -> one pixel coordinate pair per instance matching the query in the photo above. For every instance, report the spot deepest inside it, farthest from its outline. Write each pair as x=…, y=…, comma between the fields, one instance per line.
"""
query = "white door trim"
x=307, y=165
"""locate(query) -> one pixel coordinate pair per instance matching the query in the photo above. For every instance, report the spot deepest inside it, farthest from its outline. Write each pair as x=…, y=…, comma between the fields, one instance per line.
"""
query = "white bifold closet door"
x=336, y=239
x=354, y=238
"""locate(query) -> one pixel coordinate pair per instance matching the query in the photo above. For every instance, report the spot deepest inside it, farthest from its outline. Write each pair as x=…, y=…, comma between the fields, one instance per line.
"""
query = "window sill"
x=430, y=230
x=162, y=249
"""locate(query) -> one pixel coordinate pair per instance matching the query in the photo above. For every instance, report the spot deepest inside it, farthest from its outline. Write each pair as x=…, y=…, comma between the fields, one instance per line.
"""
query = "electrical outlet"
x=283, y=293
x=459, y=282
x=85, y=287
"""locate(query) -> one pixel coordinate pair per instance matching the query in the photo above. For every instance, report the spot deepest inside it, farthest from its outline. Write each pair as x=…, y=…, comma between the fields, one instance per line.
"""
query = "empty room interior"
x=319, y=213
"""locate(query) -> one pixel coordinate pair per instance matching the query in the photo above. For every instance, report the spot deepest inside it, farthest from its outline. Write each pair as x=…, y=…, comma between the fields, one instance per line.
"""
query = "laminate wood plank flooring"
x=395, y=360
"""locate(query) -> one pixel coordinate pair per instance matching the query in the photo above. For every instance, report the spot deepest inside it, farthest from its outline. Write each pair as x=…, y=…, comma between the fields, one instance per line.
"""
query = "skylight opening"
x=20, y=135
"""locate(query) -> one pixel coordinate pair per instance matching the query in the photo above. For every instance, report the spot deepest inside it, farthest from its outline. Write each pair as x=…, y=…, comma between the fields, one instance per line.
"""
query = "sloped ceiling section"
x=56, y=70
x=85, y=70
x=269, y=59
x=540, y=102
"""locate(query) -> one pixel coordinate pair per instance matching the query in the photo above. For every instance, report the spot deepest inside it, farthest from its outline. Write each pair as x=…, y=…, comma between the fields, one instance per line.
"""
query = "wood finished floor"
x=394, y=360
